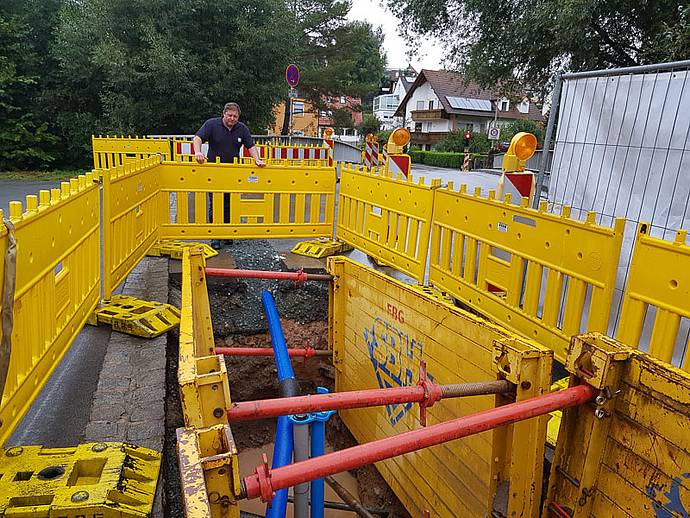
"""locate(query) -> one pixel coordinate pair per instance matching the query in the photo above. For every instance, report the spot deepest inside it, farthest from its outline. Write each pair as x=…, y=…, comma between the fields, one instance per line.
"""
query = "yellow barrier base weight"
x=136, y=317
x=320, y=248
x=174, y=249
x=97, y=479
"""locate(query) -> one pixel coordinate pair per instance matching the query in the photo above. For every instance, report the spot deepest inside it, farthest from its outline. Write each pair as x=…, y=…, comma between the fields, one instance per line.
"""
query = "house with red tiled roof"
x=440, y=101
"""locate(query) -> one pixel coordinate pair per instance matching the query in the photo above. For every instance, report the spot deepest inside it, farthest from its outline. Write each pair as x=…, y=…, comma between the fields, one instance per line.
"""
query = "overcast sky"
x=430, y=54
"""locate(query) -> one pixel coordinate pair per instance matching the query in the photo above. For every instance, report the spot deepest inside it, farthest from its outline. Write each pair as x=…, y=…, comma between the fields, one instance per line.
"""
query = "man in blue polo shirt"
x=225, y=135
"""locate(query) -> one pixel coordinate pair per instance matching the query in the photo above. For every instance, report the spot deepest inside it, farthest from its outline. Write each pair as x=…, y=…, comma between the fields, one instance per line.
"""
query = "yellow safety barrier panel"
x=280, y=200
x=131, y=215
x=205, y=448
x=545, y=276
x=388, y=218
x=380, y=331
x=108, y=480
x=628, y=456
x=57, y=286
x=659, y=277
x=109, y=152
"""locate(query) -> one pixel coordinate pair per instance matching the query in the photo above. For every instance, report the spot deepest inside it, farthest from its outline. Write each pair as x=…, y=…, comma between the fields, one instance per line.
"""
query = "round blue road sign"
x=292, y=75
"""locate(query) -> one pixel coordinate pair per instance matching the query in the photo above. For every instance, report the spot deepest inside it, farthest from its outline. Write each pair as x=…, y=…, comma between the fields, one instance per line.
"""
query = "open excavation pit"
x=239, y=321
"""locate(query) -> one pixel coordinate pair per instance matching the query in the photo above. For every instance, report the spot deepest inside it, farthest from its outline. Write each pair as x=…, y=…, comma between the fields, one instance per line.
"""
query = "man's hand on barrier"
x=259, y=162
x=200, y=157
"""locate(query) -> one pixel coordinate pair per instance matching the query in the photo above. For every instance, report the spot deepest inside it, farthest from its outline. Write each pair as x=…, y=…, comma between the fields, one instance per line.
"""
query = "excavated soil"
x=238, y=321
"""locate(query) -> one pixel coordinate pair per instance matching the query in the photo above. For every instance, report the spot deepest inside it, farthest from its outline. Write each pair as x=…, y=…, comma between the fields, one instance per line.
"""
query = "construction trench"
x=440, y=358
x=239, y=322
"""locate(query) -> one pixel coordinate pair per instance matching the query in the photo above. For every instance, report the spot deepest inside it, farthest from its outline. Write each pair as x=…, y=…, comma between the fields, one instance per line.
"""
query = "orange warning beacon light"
x=522, y=147
x=398, y=139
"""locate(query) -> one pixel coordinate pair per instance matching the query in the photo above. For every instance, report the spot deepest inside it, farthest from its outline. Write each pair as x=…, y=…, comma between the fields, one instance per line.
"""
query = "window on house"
x=420, y=105
x=504, y=105
x=418, y=126
x=298, y=109
x=428, y=126
x=342, y=99
x=431, y=104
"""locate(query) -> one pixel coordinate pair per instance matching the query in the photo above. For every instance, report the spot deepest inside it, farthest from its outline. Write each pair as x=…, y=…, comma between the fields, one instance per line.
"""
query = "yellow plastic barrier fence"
x=380, y=331
x=545, y=276
x=109, y=152
x=278, y=201
x=57, y=286
x=131, y=213
x=659, y=277
x=629, y=456
x=388, y=218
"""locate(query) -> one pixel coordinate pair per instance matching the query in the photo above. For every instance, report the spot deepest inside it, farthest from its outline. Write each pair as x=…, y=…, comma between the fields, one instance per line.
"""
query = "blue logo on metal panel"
x=393, y=354
x=673, y=505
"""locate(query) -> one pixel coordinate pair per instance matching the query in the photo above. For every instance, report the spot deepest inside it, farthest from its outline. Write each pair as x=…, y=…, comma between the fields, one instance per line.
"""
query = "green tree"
x=24, y=139
x=342, y=118
x=526, y=42
x=454, y=142
x=163, y=66
x=510, y=130
x=370, y=124
x=335, y=56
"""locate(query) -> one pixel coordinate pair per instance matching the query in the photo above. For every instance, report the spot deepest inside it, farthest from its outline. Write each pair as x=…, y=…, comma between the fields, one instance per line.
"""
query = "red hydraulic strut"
x=265, y=481
x=426, y=393
x=306, y=352
x=298, y=276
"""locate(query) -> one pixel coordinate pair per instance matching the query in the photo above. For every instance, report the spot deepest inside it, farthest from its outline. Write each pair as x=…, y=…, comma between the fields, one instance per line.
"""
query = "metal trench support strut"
x=265, y=482
x=425, y=394
x=298, y=276
x=304, y=352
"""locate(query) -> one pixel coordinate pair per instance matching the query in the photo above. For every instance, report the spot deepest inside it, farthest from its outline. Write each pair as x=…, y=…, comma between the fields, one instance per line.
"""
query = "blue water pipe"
x=288, y=386
x=318, y=444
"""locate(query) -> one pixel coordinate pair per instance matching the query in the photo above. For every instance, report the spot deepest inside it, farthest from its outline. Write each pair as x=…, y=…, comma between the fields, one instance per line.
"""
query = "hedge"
x=437, y=159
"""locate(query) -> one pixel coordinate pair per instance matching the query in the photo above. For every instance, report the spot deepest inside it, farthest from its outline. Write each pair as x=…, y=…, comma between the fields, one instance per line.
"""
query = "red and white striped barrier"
x=263, y=151
x=299, y=153
x=187, y=148
x=329, y=144
x=399, y=164
x=518, y=184
x=371, y=154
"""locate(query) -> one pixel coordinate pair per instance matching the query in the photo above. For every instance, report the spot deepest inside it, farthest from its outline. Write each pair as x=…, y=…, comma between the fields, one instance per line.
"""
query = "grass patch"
x=41, y=176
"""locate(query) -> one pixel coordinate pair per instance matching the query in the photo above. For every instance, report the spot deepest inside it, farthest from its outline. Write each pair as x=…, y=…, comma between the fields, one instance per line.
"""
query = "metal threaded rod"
x=478, y=388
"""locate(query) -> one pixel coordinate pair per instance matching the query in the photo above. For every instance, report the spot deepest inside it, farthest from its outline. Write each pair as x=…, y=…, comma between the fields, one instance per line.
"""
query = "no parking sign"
x=292, y=75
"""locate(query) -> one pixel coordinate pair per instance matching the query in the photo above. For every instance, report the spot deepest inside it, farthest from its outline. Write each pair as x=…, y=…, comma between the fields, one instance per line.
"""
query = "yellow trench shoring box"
x=99, y=479
x=380, y=331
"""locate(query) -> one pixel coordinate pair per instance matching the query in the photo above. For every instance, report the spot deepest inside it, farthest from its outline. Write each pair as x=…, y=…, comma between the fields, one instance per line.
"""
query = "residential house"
x=305, y=119
x=309, y=122
x=440, y=101
x=353, y=105
x=392, y=92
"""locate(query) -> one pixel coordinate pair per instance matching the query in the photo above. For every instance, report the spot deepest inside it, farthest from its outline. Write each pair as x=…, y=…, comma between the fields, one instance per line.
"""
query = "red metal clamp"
x=263, y=476
x=432, y=392
x=300, y=275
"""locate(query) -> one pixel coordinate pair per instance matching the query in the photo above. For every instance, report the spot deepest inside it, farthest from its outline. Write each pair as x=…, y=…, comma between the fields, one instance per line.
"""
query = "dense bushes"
x=439, y=159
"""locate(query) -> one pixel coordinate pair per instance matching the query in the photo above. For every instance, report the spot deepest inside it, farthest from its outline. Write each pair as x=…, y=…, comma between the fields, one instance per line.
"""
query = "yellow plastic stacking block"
x=320, y=248
x=97, y=479
x=136, y=317
x=174, y=249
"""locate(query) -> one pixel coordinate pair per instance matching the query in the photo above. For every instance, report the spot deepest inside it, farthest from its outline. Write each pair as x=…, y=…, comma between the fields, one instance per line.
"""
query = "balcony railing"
x=427, y=115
